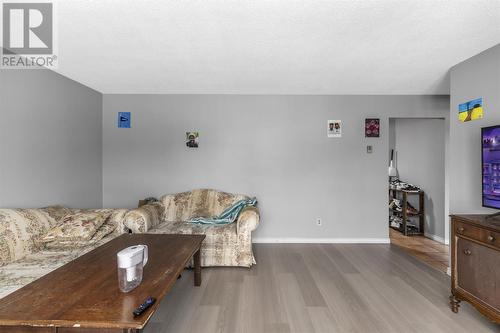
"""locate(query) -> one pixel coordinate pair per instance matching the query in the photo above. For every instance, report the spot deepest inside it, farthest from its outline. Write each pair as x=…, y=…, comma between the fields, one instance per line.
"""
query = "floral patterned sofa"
x=24, y=258
x=224, y=245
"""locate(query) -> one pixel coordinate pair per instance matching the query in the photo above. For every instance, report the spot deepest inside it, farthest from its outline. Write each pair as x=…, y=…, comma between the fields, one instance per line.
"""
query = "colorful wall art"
x=472, y=110
x=372, y=127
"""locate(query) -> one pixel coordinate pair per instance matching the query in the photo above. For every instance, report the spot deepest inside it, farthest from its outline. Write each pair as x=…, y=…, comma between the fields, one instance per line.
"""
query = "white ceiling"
x=271, y=47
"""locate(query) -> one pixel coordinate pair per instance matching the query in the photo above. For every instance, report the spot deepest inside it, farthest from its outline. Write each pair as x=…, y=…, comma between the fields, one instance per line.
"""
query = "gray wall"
x=273, y=147
x=50, y=141
x=476, y=77
x=420, y=147
x=392, y=136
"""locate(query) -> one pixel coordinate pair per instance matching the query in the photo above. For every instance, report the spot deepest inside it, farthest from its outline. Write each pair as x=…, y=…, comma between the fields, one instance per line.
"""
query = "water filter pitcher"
x=131, y=262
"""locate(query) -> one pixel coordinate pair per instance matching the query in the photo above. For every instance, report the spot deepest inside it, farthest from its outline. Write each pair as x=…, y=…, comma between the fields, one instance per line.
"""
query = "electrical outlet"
x=319, y=222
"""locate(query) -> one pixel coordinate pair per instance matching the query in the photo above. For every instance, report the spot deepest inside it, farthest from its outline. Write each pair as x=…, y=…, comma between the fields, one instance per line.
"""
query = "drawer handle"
x=461, y=229
x=491, y=238
x=467, y=252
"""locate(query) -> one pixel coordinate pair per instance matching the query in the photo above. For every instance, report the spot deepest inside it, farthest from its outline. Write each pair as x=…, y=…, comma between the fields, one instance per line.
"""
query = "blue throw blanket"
x=228, y=216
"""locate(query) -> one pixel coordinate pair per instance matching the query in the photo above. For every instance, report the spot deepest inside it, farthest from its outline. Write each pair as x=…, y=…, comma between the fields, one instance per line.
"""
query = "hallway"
x=428, y=251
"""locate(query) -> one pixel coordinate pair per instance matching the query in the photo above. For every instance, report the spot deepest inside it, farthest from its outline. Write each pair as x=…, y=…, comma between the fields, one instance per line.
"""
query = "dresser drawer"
x=468, y=230
x=491, y=238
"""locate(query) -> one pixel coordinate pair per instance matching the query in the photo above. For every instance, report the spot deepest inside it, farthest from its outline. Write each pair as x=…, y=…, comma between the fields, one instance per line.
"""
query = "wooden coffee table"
x=83, y=295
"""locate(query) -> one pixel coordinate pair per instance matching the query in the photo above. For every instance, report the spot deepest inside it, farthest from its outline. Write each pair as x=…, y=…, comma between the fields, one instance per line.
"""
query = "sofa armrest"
x=248, y=220
x=170, y=212
x=144, y=218
x=20, y=230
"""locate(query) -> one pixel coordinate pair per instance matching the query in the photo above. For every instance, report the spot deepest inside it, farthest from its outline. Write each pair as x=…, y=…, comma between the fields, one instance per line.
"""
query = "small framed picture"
x=124, y=120
x=334, y=129
x=192, y=139
x=471, y=110
x=372, y=127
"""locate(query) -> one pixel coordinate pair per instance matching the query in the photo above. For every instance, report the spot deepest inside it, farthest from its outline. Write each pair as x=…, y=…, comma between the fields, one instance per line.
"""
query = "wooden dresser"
x=475, y=263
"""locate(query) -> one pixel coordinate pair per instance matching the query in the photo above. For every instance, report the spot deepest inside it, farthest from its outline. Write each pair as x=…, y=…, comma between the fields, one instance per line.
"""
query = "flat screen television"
x=491, y=166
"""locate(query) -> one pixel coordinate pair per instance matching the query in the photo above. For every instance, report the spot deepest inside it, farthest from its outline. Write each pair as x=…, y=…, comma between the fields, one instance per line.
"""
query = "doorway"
x=417, y=210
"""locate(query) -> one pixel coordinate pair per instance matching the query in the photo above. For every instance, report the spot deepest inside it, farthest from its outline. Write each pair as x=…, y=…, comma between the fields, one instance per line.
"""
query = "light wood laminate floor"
x=318, y=288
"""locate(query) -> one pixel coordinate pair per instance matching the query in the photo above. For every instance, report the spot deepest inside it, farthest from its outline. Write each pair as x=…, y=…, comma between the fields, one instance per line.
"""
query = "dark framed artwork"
x=192, y=139
x=372, y=127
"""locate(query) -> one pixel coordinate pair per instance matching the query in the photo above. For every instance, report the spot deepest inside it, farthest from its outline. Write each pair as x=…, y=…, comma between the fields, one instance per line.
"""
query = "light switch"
x=369, y=149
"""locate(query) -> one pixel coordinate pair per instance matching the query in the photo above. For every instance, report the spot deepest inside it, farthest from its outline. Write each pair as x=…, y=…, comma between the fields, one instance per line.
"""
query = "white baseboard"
x=323, y=240
x=437, y=239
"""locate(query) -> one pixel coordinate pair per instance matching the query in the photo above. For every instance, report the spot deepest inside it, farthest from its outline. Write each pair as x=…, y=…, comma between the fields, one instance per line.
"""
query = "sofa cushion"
x=57, y=212
x=197, y=203
x=17, y=274
x=222, y=245
x=20, y=230
x=60, y=244
x=5, y=250
x=117, y=218
x=78, y=227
